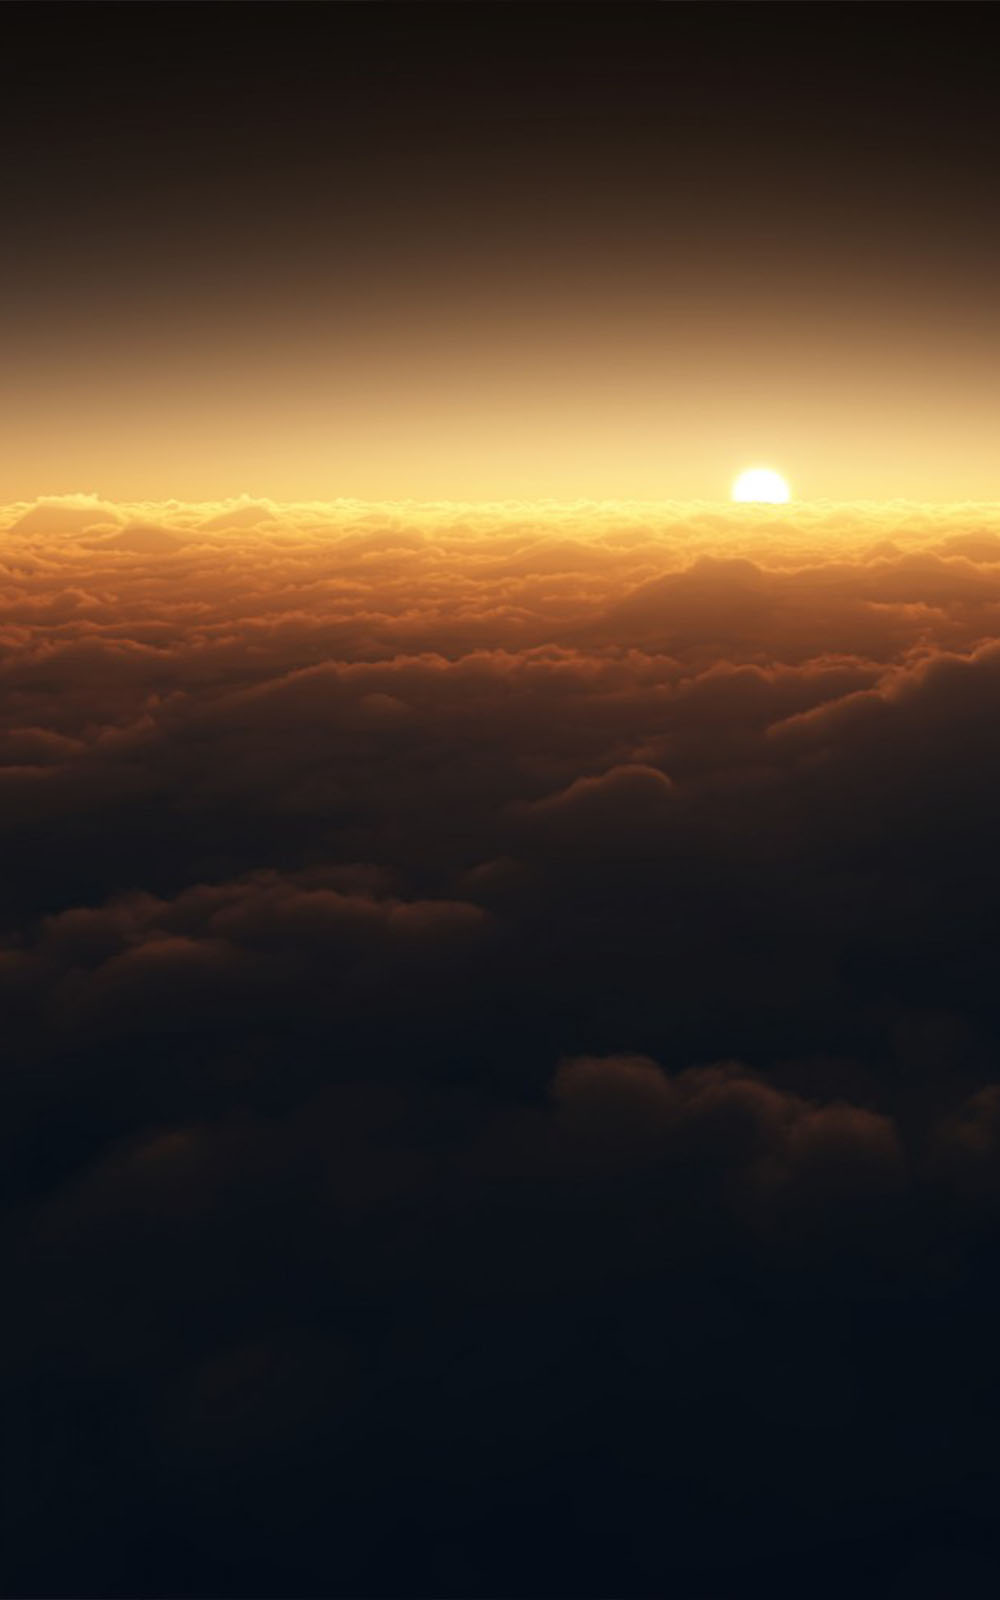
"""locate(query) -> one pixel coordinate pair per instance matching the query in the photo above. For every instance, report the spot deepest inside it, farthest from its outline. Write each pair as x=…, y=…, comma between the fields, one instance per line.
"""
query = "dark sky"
x=473, y=251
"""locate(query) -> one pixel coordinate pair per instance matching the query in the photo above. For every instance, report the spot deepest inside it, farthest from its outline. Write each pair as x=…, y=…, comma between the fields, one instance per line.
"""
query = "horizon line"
x=86, y=499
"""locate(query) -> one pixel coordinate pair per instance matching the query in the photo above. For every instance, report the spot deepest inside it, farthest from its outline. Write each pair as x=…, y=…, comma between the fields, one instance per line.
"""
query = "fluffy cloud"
x=501, y=1033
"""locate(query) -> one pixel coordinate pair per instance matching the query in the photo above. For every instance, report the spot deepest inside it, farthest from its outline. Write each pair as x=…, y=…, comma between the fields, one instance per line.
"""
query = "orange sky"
x=429, y=262
x=597, y=394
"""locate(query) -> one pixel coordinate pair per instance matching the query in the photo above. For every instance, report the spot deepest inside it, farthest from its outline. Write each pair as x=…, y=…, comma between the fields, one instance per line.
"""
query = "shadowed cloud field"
x=501, y=1013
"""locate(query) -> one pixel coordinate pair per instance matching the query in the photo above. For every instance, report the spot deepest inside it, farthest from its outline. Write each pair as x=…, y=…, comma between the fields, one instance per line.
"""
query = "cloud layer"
x=501, y=1046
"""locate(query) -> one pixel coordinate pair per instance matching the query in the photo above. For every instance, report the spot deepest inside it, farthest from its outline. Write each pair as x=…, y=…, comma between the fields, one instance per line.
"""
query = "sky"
x=499, y=969
x=391, y=252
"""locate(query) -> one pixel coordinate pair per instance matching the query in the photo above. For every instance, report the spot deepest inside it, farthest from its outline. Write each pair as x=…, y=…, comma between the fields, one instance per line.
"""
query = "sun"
x=762, y=485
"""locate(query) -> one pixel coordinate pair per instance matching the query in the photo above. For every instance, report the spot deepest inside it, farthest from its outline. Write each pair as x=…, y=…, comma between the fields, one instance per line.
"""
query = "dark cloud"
x=500, y=1048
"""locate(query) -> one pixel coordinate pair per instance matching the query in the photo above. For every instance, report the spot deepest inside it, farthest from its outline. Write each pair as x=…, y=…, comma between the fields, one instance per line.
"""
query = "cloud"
x=502, y=1037
x=143, y=538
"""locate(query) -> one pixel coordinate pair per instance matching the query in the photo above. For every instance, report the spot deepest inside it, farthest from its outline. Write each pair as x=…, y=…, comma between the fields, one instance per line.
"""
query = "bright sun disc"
x=761, y=484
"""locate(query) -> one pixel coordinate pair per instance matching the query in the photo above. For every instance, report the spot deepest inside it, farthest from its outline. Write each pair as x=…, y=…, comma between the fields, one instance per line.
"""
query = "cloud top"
x=495, y=998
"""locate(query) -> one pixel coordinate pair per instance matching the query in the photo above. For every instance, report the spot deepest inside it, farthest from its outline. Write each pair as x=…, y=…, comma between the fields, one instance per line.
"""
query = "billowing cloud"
x=502, y=1033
